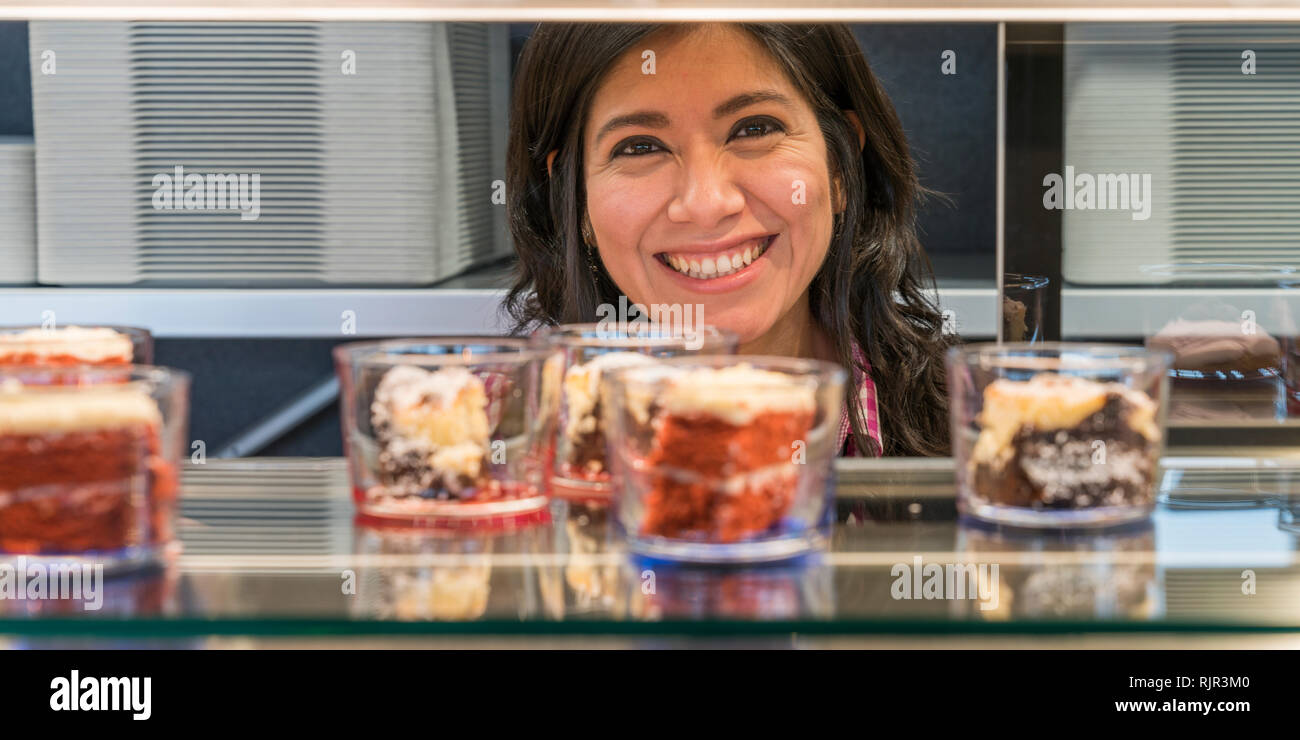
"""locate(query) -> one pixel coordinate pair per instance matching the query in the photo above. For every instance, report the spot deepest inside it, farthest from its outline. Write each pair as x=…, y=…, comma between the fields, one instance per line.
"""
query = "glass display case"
x=1092, y=172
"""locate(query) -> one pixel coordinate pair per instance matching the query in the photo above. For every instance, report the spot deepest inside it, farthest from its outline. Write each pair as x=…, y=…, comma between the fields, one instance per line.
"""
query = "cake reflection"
x=412, y=574
x=1060, y=575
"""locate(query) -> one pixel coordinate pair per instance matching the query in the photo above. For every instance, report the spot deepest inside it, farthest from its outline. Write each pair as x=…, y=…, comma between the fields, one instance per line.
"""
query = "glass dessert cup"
x=571, y=438
x=723, y=459
x=1022, y=307
x=89, y=460
x=436, y=430
x=75, y=345
x=1057, y=434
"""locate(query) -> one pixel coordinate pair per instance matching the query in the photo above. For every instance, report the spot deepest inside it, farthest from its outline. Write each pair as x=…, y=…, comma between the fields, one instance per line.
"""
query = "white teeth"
x=708, y=268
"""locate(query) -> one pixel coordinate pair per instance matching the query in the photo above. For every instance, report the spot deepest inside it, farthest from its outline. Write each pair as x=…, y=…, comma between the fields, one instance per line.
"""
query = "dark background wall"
x=15, y=81
x=950, y=121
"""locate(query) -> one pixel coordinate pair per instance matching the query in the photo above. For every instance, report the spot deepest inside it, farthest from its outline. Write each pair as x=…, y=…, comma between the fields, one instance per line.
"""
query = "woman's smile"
x=706, y=265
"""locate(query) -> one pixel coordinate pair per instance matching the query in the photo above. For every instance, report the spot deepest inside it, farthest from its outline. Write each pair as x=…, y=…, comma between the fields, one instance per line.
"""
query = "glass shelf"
x=271, y=551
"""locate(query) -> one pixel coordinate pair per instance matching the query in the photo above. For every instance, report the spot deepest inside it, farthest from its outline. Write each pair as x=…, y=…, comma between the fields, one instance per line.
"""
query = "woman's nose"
x=707, y=194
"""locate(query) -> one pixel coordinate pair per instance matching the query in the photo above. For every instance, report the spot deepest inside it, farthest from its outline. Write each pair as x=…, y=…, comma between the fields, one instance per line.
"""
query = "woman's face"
x=707, y=181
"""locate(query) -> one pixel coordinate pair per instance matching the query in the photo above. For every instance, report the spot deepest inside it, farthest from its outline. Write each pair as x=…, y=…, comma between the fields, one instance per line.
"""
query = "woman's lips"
x=713, y=265
x=704, y=278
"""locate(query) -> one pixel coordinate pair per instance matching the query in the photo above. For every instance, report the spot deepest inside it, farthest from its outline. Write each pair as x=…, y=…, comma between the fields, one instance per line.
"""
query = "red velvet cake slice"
x=79, y=471
x=722, y=461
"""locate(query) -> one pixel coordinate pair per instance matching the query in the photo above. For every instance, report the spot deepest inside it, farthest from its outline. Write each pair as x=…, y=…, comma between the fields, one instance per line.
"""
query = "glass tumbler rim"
x=1024, y=281
x=1049, y=356
x=567, y=335
x=156, y=375
x=375, y=353
x=797, y=366
x=124, y=328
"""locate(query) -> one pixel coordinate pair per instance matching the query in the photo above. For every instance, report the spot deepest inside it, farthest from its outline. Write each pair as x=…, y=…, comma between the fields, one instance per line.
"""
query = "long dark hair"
x=872, y=284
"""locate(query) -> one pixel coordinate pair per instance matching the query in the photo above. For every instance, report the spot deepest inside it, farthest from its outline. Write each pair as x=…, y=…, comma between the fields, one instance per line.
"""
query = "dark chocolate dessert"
x=1062, y=442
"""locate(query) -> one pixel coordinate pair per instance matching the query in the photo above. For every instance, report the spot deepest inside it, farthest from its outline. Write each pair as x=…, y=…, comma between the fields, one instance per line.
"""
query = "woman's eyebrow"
x=746, y=99
x=647, y=118
x=655, y=119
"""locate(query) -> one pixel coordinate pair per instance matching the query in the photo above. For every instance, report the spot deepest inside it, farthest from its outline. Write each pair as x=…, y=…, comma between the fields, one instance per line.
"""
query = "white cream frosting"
x=582, y=385
x=90, y=344
x=41, y=411
x=440, y=415
x=736, y=393
x=1049, y=401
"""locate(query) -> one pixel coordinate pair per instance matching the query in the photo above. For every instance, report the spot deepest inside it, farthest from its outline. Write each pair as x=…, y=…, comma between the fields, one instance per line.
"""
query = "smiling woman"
x=757, y=171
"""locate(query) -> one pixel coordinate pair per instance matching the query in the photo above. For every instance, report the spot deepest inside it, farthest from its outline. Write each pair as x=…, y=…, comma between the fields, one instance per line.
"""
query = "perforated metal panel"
x=353, y=130
x=1222, y=147
x=17, y=210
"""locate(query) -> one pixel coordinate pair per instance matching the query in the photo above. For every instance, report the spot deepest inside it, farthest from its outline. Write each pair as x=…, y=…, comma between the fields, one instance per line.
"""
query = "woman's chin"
x=747, y=324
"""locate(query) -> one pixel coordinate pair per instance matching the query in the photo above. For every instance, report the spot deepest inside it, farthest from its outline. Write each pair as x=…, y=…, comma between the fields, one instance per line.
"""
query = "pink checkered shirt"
x=866, y=390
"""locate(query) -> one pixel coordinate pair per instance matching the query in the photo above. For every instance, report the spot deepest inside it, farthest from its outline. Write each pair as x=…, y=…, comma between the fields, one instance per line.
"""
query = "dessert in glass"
x=436, y=430
x=723, y=459
x=75, y=345
x=88, y=461
x=571, y=438
x=1022, y=307
x=1057, y=434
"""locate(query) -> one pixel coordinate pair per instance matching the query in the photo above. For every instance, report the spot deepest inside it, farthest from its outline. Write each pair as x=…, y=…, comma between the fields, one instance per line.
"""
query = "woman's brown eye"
x=756, y=127
x=636, y=148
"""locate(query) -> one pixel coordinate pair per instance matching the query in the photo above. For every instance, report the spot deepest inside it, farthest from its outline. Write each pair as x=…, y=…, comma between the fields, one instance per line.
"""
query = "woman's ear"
x=549, y=159
x=852, y=115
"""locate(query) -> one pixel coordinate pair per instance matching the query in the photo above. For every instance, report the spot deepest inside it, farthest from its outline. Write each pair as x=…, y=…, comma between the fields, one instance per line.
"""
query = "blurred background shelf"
x=1134, y=312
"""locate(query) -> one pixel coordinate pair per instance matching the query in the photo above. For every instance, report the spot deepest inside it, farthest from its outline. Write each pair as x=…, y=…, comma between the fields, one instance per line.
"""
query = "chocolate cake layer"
x=1066, y=469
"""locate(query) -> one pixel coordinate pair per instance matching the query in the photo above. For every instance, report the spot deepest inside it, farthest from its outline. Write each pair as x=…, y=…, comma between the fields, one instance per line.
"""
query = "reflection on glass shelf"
x=272, y=549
